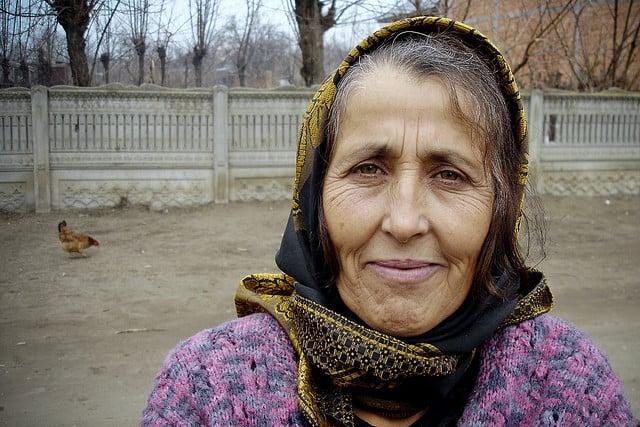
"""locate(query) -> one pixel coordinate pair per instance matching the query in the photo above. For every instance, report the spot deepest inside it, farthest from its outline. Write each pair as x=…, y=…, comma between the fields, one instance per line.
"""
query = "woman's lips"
x=404, y=271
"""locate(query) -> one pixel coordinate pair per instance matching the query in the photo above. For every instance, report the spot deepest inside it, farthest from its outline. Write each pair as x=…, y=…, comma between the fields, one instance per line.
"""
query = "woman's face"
x=407, y=202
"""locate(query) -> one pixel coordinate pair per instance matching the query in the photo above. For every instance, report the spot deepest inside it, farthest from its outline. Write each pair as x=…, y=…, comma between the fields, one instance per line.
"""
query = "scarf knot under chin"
x=352, y=355
x=350, y=364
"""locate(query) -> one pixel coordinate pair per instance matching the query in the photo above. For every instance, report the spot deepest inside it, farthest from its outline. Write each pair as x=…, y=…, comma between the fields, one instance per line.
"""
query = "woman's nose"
x=405, y=216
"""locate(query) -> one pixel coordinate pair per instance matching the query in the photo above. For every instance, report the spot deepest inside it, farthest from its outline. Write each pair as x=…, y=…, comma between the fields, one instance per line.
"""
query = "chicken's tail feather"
x=62, y=225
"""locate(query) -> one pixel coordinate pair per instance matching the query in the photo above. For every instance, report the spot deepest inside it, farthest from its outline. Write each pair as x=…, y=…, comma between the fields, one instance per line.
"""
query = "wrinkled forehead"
x=381, y=82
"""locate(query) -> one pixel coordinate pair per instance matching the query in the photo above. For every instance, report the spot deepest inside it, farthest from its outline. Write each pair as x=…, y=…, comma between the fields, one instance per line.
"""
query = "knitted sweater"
x=541, y=372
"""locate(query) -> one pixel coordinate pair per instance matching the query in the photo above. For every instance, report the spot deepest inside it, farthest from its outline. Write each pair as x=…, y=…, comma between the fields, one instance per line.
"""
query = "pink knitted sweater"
x=542, y=372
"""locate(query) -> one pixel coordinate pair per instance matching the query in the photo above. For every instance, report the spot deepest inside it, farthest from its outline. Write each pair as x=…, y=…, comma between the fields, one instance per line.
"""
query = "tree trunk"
x=141, y=48
x=186, y=71
x=77, y=56
x=6, y=71
x=24, y=73
x=311, y=29
x=44, y=68
x=198, y=56
x=242, y=75
x=74, y=17
x=162, y=55
x=105, y=58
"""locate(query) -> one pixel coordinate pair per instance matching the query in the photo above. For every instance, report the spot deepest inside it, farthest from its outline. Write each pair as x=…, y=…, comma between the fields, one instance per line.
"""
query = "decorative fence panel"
x=589, y=144
x=127, y=120
x=16, y=124
x=67, y=147
x=16, y=151
x=263, y=128
x=591, y=120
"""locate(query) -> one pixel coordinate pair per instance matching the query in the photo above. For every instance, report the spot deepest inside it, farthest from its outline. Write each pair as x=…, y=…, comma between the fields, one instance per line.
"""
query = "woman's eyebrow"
x=450, y=156
x=368, y=151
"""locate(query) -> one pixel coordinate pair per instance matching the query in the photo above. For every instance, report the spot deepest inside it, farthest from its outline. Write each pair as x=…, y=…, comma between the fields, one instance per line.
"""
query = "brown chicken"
x=73, y=241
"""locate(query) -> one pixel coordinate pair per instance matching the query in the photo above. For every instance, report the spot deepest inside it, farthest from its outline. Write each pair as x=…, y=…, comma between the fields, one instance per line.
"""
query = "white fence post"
x=221, y=143
x=536, y=137
x=40, y=126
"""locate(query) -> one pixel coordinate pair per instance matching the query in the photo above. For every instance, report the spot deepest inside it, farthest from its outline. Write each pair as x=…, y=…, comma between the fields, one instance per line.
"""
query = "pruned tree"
x=313, y=19
x=104, y=14
x=74, y=16
x=203, y=15
x=105, y=59
x=138, y=20
x=164, y=34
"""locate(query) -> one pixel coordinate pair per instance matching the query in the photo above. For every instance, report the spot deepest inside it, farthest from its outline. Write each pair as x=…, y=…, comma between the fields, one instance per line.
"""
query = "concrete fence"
x=68, y=147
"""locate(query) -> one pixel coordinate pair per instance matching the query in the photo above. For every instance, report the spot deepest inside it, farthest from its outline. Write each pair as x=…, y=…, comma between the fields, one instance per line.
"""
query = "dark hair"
x=464, y=74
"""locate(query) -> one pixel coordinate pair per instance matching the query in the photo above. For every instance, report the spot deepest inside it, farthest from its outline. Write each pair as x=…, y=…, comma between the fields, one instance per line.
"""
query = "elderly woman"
x=405, y=299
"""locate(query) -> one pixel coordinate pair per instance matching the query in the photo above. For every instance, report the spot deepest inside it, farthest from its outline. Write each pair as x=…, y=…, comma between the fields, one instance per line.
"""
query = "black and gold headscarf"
x=342, y=362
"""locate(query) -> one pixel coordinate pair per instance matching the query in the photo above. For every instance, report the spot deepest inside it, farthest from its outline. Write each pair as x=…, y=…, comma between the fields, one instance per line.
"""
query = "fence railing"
x=67, y=147
x=585, y=144
x=591, y=120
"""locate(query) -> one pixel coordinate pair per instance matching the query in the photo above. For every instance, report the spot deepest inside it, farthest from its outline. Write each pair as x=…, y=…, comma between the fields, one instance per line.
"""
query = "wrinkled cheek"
x=340, y=207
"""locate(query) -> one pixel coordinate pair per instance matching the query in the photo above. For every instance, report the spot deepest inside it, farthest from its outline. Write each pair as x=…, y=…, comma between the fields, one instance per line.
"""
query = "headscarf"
x=342, y=362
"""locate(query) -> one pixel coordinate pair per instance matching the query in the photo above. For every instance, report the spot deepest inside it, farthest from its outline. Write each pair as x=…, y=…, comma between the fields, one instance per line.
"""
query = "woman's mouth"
x=403, y=271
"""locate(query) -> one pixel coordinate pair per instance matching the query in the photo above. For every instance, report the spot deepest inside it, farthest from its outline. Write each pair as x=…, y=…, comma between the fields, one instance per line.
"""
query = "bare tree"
x=163, y=37
x=24, y=30
x=603, y=49
x=625, y=40
x=544, y=23
x=105, y=59
x=203, y=15
x=274, y=58
x=410, y=8
x=138, y=14
x=270, y=56
x=46, y=49
x=314, y=18
x=8, y=35
x=242, y=40
x=103, y=16
x=445, y=8
x=22, y=24
x=74, y=17
x=525, y=31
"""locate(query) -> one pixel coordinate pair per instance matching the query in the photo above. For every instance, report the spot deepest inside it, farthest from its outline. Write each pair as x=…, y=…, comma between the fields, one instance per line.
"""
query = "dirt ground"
x=82, y=338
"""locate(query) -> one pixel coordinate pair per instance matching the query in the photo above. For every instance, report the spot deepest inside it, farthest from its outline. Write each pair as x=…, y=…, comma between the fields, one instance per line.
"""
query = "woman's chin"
x=403, y=323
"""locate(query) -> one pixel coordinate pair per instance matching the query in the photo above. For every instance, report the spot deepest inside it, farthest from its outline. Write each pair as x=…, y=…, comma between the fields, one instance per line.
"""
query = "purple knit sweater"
x=541, y=372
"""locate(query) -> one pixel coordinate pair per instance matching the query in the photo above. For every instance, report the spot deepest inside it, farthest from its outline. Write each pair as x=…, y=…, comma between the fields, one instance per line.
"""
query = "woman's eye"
x=368, y=169
x=449, y=175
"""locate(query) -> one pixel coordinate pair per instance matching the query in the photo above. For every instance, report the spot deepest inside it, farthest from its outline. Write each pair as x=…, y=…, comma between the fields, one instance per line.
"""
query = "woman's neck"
x=378, y=420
